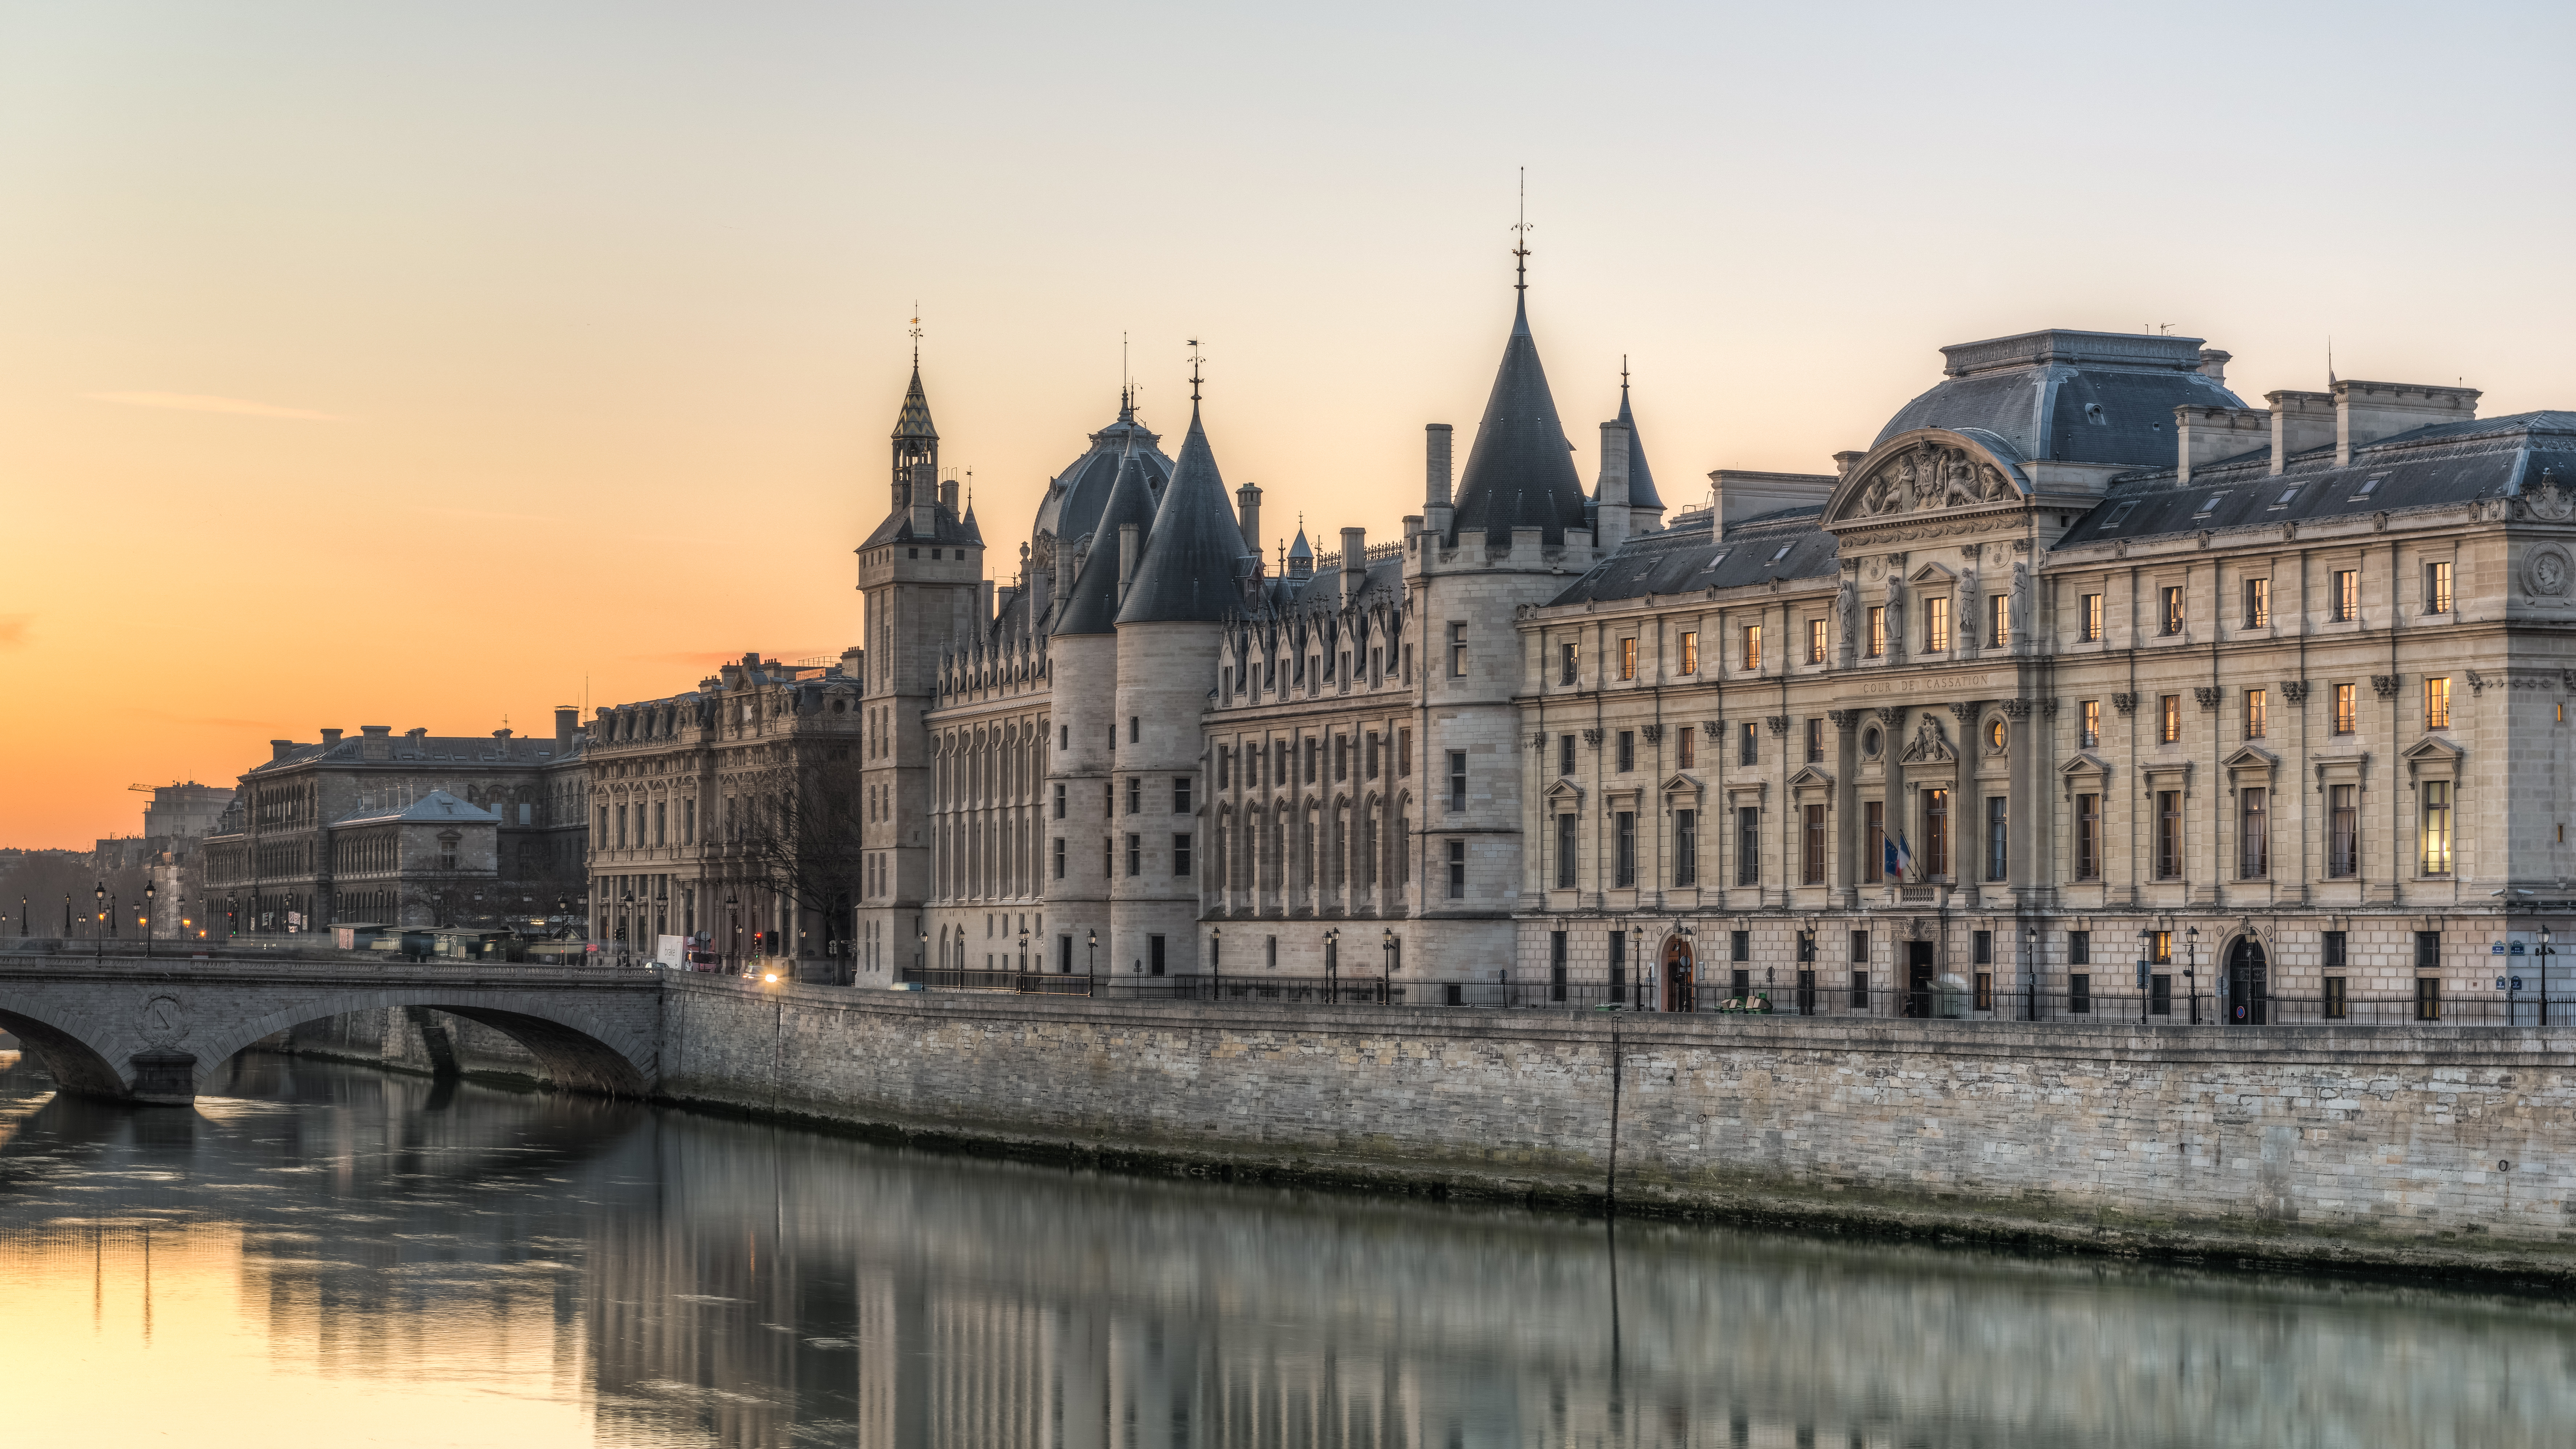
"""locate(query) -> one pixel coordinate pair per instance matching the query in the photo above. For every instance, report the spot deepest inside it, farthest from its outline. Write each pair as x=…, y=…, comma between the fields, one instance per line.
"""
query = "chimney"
x=2213, y=364
x=2366, y=412
x=1610, y=526
x=2204, y=435
x=1354, y=562
x=1131, y=549
x=565, y=715
x=948, y=494
x=376, y=741
x=984, y=610
x=1247, y=515
x=417, y=736
x=277, y=749
x=1435, y=465
x=2300, y=421
x=500, y=734
x=925, y=503
x=330, y=738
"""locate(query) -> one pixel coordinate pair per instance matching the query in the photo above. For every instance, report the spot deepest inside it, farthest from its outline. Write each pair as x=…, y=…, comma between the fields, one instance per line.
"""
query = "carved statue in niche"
x=2020, y=605
x=1895, y=604
x=1846, y=605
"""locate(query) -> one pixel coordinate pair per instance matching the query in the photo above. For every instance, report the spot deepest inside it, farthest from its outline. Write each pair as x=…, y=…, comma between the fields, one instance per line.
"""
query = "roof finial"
x=916, y=336
x=1520, y=239
x=1623, y=379
x=1195, y=360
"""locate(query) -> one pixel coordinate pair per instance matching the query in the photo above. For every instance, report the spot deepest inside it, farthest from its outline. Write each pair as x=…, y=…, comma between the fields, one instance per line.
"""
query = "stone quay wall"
x=2422, y=1148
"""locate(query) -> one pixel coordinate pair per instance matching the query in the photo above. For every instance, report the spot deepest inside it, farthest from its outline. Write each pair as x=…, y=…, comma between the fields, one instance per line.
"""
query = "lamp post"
x=1333, y=963
x=1216, y=961
x=2145, y=938
x=2191, y=970
x=921, y=958
x=1024, y=950
x=101, y=936
x=733, y=916
x=1091, y=963
x=1386, y=968
x=2030, y=969
x=2544, y=969
x=148, y=895
x=1636, y=968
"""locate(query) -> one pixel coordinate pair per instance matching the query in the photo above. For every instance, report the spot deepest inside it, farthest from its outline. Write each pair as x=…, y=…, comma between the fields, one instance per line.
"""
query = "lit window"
x=2092, y=618
x=2169, y=718
x=2258, y=603
x=1815, y=641
x=2089, y=725
x=1877, y=631
x=1998, y=621
x=2343, y=595
x=1627, y=658
x=2346, y=709
x=1690, y=651
x=2437, y=588
x=2437, y=703
x=1752, y=646
x=2171, y=596
x=2258, y=713
x=2437, y=827
x=1936, y=624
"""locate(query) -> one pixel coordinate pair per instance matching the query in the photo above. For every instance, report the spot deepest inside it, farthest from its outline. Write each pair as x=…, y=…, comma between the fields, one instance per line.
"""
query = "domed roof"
x=1076, y=496
x=2080, y=397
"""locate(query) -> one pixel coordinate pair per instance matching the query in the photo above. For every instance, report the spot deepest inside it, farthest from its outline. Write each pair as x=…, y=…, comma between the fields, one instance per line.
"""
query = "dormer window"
x=2286, y=495
x=2368, y=487
x=2118, y=516
x=2210, y=506
x=1783, y=553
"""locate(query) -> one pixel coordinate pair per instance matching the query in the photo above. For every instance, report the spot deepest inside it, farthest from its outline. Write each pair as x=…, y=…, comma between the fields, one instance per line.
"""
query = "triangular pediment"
x=1566, y=792
x=2085, y=762
x=2431, y=750
x=1934, y=574
x=1681, y=785
x=1809, y=777
x=2252, y=757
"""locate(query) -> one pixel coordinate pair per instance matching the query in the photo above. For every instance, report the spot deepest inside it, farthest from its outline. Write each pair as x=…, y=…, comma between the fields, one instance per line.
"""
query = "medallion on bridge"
x=164, y=1023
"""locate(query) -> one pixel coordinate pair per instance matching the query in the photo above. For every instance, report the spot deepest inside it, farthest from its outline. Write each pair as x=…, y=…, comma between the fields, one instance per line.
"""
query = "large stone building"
x=2083, y=687
x=727, y=814
x=401, y=830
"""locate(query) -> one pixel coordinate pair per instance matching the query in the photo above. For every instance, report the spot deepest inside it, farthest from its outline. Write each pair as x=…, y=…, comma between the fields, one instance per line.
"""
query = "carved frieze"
x=1930, y=743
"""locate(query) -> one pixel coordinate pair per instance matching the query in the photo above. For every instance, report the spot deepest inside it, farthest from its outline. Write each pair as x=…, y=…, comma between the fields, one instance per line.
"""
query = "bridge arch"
x=579, y=1048
x=164, y=1037
x=75, y=1065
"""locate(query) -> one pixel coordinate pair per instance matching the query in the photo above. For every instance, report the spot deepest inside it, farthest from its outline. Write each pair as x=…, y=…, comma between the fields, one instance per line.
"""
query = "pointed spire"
x=1193, y=566
x=1641, y=479
x=1520, y=473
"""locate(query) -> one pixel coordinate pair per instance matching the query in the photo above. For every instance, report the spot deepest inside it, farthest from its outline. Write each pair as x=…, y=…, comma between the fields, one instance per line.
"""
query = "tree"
x=803, y=842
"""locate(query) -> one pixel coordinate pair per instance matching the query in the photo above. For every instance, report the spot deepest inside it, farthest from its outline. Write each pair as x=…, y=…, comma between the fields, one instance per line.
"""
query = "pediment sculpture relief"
x=1930, y=744
x=1928, y=476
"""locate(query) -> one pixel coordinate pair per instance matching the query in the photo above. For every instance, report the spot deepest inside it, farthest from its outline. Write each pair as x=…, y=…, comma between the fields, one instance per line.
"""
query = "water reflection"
x=328, y=1251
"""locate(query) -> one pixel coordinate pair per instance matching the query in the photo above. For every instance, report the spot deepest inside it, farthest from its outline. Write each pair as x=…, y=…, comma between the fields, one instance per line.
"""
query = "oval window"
x=1869, y=742
x=1994, y=734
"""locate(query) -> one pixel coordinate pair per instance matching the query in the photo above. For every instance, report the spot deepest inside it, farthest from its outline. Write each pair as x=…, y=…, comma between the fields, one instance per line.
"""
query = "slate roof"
x=435, y=808
x=2447, y=463
x=1520, y=473
x=1072, y=508
x=1195, y=560
x=432, y=749
x=897, y=528
x=1090, y=605
x=2084, y=397
x=1789, y=544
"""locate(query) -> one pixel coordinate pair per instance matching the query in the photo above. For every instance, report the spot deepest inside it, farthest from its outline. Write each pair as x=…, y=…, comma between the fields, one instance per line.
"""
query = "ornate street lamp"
x=2191, y=970
x=1386, y=968
x=101, y=894
x=148, y=894
x=2030, y=968
x=1091, y=964
x=1216, y=960
x=1333, y=964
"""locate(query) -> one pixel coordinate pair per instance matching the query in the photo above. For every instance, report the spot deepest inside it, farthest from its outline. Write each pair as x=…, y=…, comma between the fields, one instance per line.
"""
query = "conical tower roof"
x=1091, y=605
x=1301, y=548
x=912, y=420
x=1520, y=474
x=1641, y=479
x=1194, y=561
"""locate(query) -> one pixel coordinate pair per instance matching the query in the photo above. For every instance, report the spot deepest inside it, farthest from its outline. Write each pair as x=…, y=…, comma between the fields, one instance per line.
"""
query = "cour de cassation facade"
x=2084, y=687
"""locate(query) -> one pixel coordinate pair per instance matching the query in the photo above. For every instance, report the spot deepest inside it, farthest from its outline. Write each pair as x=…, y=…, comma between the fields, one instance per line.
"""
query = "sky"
x=435, y=365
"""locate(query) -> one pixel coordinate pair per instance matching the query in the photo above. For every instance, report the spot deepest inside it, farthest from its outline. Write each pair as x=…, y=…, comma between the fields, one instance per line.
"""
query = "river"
x=324, y=1254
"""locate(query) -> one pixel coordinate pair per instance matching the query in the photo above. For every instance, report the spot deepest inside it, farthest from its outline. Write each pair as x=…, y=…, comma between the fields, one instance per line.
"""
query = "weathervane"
x=1520, y=239
x=1195, y=360
x=916, y=335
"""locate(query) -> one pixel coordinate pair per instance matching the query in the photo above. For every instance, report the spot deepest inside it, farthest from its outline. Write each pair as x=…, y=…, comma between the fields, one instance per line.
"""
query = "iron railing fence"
x=1822, y=997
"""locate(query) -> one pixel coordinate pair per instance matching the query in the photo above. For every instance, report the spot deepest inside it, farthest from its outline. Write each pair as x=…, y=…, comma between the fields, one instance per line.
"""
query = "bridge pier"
x=165, y=1079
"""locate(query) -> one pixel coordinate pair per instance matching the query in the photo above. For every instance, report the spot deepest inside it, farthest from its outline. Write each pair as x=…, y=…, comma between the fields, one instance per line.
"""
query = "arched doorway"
x=1680, y=990
x=2249, y=983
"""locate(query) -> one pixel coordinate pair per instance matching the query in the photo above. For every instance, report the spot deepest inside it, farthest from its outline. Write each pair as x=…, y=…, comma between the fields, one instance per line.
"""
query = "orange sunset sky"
x=435, y=365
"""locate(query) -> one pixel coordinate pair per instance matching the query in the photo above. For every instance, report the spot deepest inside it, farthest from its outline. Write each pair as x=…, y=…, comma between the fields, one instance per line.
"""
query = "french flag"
x=1900, y=860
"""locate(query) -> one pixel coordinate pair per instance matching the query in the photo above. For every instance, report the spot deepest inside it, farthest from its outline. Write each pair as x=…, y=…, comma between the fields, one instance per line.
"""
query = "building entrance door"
x=2248, y=984
x=1681, y=991
x=1918, y=978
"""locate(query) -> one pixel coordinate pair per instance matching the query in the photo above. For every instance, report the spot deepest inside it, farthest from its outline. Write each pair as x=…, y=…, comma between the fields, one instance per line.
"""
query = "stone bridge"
x=159, y=1029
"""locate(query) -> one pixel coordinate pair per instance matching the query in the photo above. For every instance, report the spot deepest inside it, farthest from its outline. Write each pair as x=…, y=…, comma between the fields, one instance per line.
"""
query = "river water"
x=331, y=1255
